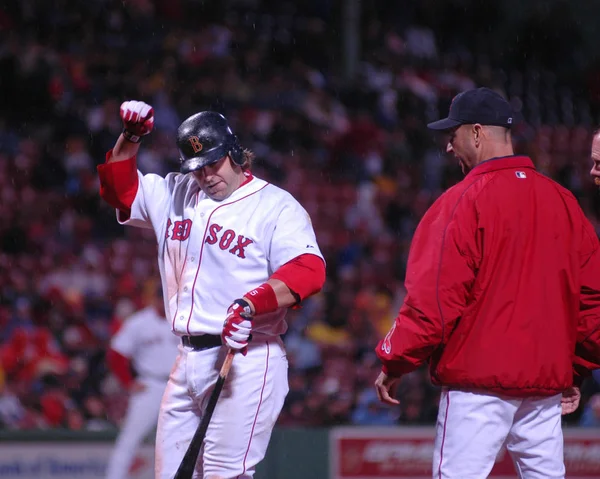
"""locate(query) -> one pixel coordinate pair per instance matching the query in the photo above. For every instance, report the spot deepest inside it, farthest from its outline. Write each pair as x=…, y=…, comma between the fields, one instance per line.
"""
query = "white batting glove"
x=237, y=327
x=138, y=119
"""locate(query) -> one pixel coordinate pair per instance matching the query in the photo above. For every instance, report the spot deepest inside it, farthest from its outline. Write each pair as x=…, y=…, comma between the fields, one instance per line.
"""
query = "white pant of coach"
x=473, y=427
x=243, y=419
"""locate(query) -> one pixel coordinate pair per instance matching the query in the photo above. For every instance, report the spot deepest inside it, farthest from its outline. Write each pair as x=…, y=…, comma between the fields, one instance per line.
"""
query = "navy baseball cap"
x=481, y=105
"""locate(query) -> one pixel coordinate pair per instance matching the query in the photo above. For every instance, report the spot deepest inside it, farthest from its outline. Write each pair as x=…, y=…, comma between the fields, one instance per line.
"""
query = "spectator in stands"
x=591, y=412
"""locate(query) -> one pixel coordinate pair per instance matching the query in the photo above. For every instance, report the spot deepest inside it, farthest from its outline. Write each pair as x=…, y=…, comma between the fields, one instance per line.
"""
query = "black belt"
x=204, y=341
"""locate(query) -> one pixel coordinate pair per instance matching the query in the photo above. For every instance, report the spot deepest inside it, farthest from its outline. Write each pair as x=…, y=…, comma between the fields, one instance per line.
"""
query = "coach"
x=503, y=301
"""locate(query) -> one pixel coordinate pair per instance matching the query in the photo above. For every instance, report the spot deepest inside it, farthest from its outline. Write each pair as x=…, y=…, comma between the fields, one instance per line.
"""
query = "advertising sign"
x=407, y=452
x=67, y=460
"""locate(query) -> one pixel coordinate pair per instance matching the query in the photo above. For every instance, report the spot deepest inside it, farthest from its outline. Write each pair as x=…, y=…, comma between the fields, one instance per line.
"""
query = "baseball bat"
x=188, y=463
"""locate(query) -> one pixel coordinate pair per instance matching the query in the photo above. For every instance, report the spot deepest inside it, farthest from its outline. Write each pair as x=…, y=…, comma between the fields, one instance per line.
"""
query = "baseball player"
x=145, y=344
x=502, y=292
x=234, y=253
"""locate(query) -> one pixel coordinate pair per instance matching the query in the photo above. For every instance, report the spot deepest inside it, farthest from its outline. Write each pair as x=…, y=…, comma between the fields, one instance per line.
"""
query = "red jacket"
x=503, y=280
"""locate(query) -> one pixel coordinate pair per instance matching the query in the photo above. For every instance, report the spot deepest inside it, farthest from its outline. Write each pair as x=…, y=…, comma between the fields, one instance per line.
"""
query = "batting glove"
x=238, y=326
x=138, y=120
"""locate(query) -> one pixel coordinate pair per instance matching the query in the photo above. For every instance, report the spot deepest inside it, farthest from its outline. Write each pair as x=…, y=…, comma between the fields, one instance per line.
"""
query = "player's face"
x=460, y=144
x=219, y=179
x=595, y=171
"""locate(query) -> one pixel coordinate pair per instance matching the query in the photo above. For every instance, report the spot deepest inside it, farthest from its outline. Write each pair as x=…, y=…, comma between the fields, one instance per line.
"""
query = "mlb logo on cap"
x=480, y=105
x=520, y=174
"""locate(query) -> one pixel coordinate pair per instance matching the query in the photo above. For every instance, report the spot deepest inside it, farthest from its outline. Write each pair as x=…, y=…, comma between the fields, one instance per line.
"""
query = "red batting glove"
x=238, y=326
x=138, y=120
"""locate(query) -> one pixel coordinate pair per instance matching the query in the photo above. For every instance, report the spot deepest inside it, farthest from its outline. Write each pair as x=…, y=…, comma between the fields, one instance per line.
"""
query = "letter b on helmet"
x=205, y=138
x=196, y=145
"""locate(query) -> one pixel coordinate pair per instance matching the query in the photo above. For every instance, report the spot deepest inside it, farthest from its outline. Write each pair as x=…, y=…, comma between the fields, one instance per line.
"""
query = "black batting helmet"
x=205, y=138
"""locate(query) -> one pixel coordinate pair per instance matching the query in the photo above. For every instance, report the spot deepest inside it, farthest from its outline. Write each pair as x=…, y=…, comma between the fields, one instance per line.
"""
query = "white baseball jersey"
x=212, y=252
x=145, y=338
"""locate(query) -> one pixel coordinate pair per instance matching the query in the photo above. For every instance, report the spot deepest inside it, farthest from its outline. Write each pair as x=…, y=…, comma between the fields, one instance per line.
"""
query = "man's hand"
x=570, y=400
x=138, y=119
x=238, y=326
x=385, y=387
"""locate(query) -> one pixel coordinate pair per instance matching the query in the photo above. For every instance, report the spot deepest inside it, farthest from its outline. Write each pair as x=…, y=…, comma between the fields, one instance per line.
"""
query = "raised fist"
x=138, y=119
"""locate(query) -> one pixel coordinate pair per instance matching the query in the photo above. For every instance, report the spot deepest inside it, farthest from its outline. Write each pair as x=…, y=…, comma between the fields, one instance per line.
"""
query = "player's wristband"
x=131, y=137
x=263, y=298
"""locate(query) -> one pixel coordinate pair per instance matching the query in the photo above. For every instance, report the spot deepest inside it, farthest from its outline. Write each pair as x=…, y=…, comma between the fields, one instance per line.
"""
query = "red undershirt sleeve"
x=118, y=183
x=120, y=366
x=304, y=275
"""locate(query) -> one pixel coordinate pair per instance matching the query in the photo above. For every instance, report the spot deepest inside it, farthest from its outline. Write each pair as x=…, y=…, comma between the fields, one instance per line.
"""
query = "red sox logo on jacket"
x=180, y=231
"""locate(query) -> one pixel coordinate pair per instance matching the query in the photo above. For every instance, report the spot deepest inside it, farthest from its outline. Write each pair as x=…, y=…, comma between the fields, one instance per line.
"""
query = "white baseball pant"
x=472, y=428
x=242, y=422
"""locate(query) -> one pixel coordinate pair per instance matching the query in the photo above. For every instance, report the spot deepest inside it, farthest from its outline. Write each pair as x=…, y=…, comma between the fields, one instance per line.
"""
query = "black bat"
x=188, y=463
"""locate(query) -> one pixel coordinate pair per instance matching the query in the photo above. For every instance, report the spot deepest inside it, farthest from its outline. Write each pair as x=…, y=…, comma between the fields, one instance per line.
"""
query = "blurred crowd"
x=355, y=153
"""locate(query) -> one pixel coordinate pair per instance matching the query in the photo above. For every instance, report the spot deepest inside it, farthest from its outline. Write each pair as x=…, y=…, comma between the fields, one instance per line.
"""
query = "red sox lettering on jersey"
x=178, y=230
x=226, y=238
x=235, y=240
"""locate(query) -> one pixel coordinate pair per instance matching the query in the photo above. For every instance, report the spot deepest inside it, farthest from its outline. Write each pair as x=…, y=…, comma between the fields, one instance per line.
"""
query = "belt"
x=202, y=342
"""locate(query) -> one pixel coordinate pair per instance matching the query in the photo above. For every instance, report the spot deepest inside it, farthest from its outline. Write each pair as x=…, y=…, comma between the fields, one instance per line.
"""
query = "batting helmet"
x=205, y=138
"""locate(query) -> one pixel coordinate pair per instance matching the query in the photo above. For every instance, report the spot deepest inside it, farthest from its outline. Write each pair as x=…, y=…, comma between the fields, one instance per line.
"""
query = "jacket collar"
x=501, y=163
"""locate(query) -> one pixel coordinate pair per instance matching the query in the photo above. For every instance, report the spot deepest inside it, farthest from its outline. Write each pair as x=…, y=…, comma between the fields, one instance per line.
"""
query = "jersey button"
x=185, y=288
x=202, y=215
x=181, y=317
x=192, y=259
